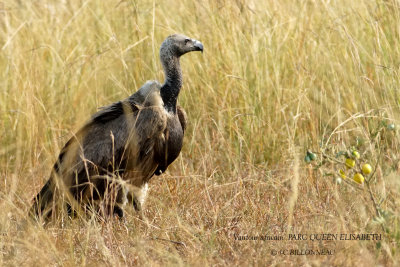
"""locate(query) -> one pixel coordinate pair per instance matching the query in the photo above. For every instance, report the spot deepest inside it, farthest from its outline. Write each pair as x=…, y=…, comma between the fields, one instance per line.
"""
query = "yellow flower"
x=356, y=154
x=350, y=163
x=358, y=178
x=366, y=169
x=342, y=174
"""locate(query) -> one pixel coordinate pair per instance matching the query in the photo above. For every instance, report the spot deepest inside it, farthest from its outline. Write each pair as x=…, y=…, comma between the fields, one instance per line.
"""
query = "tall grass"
x=276, y=78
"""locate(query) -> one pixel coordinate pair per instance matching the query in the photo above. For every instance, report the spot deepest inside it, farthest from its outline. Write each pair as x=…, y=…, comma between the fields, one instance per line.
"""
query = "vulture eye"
x=187, y=40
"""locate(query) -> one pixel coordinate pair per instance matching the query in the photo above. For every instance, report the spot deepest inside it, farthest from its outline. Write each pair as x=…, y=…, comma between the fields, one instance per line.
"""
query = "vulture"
x=110, y=160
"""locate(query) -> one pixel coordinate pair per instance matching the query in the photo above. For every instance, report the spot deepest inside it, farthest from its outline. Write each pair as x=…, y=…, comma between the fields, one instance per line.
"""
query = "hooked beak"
x=198, y=46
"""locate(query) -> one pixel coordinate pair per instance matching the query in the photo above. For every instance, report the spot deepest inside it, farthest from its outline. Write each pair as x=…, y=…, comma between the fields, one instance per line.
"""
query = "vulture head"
x=178, y=45
x=171, y=50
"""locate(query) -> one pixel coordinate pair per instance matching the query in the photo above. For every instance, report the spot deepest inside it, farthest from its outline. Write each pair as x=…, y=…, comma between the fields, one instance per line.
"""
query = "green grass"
x=276, y=79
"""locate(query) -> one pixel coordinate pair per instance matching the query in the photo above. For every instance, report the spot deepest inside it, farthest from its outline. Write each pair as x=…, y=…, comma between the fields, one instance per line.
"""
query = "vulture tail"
x=42, y=201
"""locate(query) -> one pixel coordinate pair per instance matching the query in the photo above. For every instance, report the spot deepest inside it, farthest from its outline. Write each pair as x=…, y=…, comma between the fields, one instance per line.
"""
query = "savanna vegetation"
x=276, y=79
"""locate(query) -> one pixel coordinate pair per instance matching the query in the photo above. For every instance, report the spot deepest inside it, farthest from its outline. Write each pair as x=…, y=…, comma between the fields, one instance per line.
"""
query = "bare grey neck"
x=173, y=82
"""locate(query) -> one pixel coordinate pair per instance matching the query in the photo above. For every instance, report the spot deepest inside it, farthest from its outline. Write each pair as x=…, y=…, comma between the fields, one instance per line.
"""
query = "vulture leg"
x=136, y=196
x=134, y=201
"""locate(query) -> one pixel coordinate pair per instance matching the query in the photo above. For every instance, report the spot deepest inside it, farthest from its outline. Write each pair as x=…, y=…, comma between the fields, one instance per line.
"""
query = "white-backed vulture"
x=110, y=160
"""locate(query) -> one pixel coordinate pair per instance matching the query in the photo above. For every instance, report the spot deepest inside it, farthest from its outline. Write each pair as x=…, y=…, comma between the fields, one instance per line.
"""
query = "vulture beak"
x=198, y=46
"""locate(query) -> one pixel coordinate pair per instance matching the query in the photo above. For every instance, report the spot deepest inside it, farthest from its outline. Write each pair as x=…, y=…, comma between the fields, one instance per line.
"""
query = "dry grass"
x=276, y=79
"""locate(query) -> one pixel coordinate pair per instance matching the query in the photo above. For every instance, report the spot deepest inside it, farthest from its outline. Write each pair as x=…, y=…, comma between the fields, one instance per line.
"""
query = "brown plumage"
x=110, y=160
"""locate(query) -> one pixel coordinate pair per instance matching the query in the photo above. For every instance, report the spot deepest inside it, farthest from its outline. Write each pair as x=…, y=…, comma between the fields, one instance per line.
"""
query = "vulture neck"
x=173, y=83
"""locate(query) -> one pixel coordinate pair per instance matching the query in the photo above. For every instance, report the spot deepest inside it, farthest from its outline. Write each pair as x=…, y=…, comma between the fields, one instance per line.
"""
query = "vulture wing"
x=120, y=138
